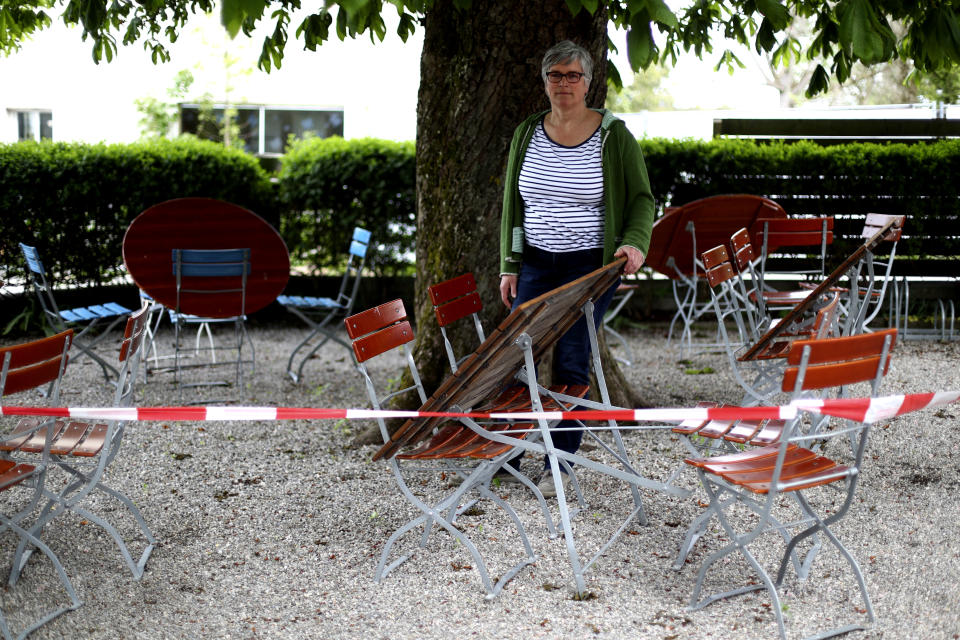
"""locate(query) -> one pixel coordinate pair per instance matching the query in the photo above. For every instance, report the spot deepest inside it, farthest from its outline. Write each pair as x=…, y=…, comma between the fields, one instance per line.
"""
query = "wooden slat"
x=454, y=310
x=37, y=350
x=382, y=341
x=378, y=317
x=842, y=348
x=453, y=288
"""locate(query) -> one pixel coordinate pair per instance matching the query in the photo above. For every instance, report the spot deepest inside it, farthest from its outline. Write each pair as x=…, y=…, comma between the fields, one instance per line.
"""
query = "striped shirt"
x=562, y=191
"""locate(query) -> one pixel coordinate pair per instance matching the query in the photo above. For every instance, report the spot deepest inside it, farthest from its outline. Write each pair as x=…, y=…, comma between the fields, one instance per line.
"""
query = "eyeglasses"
x=573, y=77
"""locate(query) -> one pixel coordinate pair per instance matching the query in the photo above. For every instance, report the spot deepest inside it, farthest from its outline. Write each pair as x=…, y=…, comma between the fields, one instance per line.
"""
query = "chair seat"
x=754, y=470
x=12, y=473
x=93, y=312
x=75, y=439
x=309, y=302
x=757, y=433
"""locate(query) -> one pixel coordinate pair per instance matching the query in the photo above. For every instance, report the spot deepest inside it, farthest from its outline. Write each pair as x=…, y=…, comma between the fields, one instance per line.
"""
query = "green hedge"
x=328, y=186
x=75, y=201
x=845, y=181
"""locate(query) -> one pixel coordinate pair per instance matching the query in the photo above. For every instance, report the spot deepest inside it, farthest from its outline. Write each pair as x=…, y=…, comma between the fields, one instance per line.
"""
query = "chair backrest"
x=38, y=277
x=131, y=352
x=211, y=282
x=359, y=242
x=773, y=234
x=356, y=259
x=838, y=362
x=723, y=278
x=375, y=332
x=454, y=300
x=745, y=261
x=34, y=364
x=866, y=296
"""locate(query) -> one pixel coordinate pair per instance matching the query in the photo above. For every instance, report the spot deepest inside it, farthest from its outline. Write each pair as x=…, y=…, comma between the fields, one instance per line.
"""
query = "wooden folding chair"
x=85, y=450
x=869, y=279
x=318, y=313
x=781, y=240
x=680, y=236
x=89, y=318
x=454, y=300
x=757, y=377
x=24, y=367
x=383, y=329
x=211, y=287
x=510, y=354
x=802, y=461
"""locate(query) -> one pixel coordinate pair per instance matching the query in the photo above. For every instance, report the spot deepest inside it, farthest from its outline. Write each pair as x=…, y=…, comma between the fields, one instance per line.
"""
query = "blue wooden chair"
x=318, y=313
x=211, y=290
x=85, y=317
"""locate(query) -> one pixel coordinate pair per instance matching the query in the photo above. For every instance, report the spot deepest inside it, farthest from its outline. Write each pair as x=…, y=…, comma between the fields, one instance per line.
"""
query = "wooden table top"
x=715, y=219
x=495, y=362
x=204, y=223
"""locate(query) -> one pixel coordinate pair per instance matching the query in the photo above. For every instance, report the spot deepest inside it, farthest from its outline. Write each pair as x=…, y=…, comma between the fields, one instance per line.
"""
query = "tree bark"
x=479, y=77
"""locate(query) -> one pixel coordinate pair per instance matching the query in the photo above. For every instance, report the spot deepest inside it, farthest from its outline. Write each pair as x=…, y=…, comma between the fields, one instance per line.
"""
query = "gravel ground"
x=274, y=529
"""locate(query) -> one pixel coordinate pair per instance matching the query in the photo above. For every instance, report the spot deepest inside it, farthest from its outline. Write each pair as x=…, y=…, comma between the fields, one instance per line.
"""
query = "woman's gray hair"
x=564, y=52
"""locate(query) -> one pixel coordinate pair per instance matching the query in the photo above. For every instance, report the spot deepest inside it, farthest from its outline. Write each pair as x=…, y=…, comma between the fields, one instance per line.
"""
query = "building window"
x=264, y=130
x=34, y=125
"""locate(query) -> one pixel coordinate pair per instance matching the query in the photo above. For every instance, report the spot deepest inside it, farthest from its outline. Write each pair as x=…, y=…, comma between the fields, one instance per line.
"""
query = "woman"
x=576, y=197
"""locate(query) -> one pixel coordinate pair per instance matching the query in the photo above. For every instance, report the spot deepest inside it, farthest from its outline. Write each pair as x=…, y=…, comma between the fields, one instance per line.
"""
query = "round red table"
x=204, y=223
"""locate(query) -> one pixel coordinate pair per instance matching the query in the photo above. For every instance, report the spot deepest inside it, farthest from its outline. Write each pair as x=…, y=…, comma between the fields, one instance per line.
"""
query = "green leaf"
x=660, y=12
x=861, y=34
x=766, y=40
x=574, y=6
x=591, y=6
x=775, y=12
x=613, y=76
x=234, y=12
x=640, y=45
x=819, y=82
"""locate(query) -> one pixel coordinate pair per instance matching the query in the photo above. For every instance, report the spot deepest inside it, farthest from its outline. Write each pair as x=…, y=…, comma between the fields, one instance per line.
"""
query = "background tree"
x=479, y=77
x=644, y=92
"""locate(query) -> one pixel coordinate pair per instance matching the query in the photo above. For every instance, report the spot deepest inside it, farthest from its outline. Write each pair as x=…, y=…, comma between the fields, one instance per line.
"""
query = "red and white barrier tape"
x=861, y=409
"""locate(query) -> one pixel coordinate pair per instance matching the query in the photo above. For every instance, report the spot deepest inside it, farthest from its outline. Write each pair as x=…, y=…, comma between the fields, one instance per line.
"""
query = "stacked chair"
x=800, y=244
x=383, y=329
x=319, y=313
x=499, y=376
x=737, y=303
x=33, y=365
x=86, y=318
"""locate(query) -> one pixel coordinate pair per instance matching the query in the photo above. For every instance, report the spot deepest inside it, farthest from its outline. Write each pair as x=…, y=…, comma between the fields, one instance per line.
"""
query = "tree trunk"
x=479, y=77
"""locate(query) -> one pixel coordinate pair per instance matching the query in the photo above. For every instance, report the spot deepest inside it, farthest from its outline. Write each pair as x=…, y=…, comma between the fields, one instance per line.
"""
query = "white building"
x=53, y=89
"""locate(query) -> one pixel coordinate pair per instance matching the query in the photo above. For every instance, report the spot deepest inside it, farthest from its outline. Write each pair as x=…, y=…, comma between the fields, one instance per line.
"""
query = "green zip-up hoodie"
x=628, y=201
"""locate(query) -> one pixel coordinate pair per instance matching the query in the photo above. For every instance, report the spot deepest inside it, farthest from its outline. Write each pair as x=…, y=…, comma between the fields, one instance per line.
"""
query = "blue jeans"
x=544, y=271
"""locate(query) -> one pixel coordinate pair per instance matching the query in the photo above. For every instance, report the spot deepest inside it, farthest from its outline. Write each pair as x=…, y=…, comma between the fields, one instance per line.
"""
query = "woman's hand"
x=508, y=289
x=634, y=256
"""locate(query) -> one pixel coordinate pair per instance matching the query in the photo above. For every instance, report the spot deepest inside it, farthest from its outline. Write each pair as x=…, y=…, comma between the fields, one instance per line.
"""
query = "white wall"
x=375, y=85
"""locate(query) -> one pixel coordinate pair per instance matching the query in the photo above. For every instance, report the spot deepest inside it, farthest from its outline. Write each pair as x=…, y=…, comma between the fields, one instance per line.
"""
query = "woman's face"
x=565, y=93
